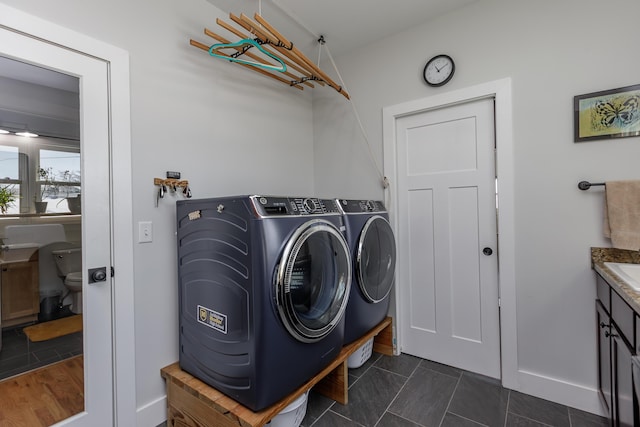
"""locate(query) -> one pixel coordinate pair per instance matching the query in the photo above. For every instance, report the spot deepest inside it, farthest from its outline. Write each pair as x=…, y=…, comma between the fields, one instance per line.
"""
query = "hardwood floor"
x=44, y=396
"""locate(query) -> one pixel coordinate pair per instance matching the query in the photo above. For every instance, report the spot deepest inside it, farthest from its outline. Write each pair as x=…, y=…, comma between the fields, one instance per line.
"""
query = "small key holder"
x=171, y=185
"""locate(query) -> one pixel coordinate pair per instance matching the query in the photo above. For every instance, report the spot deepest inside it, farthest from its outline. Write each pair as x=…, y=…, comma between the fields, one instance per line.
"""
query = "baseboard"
x=153, y=413
x=559, y=391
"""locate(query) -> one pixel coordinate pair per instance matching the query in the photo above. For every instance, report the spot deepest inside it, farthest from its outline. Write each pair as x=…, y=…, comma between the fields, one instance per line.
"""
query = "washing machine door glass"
x=376, y=259
x=313, y=281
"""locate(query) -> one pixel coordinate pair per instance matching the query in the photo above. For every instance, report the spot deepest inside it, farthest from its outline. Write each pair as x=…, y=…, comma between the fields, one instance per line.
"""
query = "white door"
x=447, y=254
x=96, y=208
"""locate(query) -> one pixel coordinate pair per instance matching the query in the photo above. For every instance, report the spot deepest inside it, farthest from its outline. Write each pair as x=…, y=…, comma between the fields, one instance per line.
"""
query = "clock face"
x=439, y=70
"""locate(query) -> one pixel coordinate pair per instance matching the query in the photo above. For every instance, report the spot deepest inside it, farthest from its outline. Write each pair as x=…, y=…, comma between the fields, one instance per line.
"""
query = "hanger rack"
x=258, y=35
x=585, y=185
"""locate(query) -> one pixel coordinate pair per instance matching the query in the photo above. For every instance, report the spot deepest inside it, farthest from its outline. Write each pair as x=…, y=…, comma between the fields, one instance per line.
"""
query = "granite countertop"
x=601, y=255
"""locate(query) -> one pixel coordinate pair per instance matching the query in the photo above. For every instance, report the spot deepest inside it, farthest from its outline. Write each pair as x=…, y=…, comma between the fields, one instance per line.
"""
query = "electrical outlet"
x=145, y=232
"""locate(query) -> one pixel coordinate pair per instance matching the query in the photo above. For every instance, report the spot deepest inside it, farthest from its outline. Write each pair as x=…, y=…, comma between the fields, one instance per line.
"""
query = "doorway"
x=40, y=175
x=399, y=116
x=447, y=231
x=107, y=312
x=96, y=299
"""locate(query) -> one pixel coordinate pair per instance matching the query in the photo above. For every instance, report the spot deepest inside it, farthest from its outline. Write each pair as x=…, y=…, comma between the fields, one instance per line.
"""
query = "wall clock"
x=439, y=70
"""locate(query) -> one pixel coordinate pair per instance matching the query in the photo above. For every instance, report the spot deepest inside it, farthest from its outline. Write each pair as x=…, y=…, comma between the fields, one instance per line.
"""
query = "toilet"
x=69, y=264
x=51, y=285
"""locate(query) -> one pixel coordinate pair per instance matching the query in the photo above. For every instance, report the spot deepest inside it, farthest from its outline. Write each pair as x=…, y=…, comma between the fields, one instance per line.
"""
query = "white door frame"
x=501, y=91
x=120, y=150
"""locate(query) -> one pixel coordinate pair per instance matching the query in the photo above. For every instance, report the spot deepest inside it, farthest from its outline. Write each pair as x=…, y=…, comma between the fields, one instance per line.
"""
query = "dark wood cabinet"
x=604, y=356
x=616, y=347
x=621, y=375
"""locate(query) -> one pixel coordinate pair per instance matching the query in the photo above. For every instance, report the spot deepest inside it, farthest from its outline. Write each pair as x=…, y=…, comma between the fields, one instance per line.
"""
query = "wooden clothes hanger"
x=271, y=43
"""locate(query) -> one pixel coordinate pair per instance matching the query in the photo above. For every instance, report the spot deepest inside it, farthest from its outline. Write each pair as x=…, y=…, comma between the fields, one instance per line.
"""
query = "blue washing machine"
x=263, y=287
x=373, y=250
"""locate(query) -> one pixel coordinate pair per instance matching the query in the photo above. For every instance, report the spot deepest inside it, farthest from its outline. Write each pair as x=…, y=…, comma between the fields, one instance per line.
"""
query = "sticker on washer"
x=212, y=319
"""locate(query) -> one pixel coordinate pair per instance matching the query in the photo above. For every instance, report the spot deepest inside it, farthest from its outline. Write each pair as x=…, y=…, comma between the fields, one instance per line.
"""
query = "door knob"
x=487, y=251
x=97, y=274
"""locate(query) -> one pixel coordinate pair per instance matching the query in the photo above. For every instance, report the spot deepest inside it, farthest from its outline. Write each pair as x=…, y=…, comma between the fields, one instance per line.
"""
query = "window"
x=41, y=170
x=9, y=175
x=61, y=170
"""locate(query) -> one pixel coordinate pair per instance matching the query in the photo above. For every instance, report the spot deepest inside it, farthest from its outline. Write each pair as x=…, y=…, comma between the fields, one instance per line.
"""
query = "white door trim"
x=120, y=139
x=501, y=91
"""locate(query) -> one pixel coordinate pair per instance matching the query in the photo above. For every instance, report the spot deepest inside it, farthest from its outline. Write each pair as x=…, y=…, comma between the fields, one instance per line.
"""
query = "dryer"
x=263, y=286
x=373, y=250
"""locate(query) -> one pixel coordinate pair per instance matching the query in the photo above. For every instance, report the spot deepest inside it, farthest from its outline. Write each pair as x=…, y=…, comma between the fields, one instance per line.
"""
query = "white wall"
x=552, y=51
x=228, y=130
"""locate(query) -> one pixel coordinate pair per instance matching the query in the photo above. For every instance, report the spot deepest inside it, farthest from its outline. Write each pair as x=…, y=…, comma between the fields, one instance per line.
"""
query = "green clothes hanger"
x=247, y=44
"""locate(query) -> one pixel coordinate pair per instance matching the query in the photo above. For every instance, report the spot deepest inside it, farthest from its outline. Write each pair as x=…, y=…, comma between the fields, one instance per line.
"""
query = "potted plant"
x=66, y=180
x=7, y=198
x=45, y=176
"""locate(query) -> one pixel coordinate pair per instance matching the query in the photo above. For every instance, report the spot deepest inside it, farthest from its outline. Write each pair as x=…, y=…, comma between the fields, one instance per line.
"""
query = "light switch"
x=145, y=232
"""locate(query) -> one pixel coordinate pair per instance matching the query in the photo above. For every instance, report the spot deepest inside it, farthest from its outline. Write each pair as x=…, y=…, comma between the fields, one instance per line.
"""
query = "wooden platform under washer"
x=192, y=403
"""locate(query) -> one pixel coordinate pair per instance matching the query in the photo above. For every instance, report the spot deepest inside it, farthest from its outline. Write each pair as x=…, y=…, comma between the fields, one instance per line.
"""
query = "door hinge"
x=113, y=272
x=499, y=301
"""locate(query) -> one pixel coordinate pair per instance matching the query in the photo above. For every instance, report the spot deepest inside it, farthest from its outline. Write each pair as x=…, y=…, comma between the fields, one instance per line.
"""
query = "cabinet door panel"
x=636, y=371
x=622, y=316
x=19, y=290
x=603, y=291
x=637, y=334
x=604, y=356
x=622, y=380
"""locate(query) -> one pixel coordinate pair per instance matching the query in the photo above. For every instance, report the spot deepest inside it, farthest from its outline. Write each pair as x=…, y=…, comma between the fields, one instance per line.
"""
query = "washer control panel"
x=360, y=206
x=274, y=206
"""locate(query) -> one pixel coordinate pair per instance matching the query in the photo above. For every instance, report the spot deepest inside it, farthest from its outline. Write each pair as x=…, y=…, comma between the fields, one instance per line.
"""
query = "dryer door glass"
x=376, y=259
x=313, y=280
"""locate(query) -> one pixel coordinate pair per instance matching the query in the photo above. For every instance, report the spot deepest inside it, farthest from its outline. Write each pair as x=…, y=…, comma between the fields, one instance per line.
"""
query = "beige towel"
x=622, y=214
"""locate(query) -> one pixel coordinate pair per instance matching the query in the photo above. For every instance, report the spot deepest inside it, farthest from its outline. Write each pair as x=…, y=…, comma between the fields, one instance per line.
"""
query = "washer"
x=263, y=287
x=373, y=250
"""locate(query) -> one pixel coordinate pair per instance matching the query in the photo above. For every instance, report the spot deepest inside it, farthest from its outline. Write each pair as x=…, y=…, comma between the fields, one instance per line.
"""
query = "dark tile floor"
x=16, y=357
x=406, y=391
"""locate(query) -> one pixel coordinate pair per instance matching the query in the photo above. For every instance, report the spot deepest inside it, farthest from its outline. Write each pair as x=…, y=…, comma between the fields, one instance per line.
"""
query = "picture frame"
x=613, y=113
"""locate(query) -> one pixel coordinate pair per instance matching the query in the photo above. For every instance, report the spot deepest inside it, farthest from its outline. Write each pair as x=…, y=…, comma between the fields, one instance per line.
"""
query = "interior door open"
x=93, y=80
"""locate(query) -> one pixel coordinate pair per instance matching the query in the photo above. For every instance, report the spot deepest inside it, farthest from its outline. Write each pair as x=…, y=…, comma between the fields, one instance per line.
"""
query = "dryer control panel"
x=359, y=206
x=275, y=206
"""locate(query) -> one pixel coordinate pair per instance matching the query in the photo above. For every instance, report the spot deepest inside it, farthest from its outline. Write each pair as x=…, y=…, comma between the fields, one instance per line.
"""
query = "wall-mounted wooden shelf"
x=192, y=403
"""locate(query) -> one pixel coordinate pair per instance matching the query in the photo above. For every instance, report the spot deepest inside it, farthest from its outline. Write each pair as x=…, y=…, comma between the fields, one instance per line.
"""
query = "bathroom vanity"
x=26, y=254
x=19, y=290
x=618, y=320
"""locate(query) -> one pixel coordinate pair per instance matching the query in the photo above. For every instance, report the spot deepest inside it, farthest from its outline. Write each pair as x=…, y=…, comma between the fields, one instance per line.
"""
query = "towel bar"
x=585, y=185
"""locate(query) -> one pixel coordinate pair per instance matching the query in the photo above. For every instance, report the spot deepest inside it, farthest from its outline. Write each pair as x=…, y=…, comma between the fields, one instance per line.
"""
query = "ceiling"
x=37, y=75
x=25, y=112
x=345, y=24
